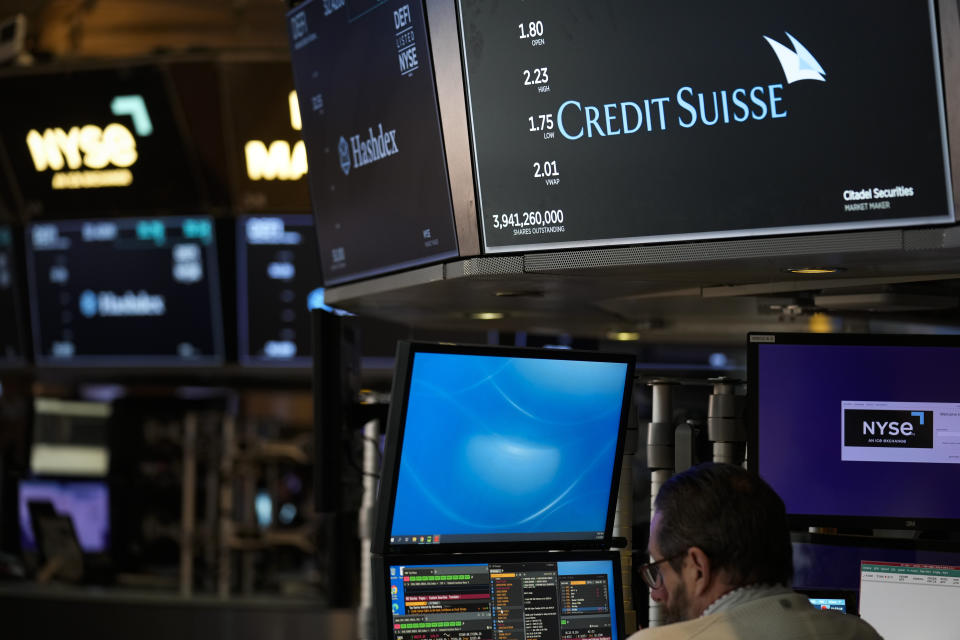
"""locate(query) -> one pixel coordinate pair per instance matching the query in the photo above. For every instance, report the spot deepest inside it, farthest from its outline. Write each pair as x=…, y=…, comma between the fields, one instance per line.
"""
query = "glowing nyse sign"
x=88, y=156
x=278, y=161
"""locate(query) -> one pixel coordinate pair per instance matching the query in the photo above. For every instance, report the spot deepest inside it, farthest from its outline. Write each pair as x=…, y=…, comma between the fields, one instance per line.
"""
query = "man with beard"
x=722, y=564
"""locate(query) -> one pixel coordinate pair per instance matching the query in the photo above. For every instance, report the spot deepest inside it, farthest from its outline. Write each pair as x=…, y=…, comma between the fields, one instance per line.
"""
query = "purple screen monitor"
x=858, y=430
x=87, y=504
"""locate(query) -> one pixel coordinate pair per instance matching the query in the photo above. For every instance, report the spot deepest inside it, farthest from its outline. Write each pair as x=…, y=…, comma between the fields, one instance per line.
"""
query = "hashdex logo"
x=344, y=150
x=888, y=428
x=362, y=151
x=128, y=304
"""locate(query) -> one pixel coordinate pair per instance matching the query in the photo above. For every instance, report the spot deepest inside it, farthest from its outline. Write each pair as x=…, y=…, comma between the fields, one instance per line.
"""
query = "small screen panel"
x=87, y=504
x=520, y=448
x=278, y=275
x=877, y=417
x=505, y=600
x=623, y=122
x=830, y=604
x=11, y=328
x=125, y=292
x=906, y=601
x=368, y=105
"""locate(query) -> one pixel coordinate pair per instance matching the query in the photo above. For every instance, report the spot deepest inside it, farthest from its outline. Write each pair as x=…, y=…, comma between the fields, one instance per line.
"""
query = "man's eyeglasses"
x=650, y=572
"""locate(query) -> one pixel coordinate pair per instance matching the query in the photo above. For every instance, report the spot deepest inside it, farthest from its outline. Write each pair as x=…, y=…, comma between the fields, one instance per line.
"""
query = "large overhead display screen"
x=370, y=120
x=599, y=123
x=125, y=291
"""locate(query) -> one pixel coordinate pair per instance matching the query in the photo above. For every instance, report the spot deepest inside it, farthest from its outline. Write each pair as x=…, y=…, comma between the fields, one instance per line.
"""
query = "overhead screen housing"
x=488, y=445
x=125, y=291
x=595, y=125
x=857, y=431
x=11, y=318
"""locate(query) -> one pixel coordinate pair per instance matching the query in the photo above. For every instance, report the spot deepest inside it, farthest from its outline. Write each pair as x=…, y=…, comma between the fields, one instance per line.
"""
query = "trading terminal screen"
x=125, y=292
x=569, y=600
x=11, y=340
x=278, y=277
x=880, y=424
x=508, y=448
x=906, y=601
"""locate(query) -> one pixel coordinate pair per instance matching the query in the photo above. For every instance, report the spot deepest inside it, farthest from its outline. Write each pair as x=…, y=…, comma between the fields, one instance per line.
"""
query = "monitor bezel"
x=797, y=521
x=381, y=579
x=396, y=423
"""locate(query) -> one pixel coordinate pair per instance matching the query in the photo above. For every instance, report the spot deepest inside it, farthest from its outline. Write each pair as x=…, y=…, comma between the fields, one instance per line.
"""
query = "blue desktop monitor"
x=498, y=595
x=858, y=431
x=491, y=445
x=125, y=291
x=86, y=503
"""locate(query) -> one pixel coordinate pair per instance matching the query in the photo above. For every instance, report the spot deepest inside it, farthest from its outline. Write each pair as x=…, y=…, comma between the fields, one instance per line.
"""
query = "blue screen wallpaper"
x=496, y=445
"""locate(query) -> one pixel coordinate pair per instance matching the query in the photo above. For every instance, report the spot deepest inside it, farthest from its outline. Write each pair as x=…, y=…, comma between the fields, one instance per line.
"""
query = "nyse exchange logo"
x=888, y=428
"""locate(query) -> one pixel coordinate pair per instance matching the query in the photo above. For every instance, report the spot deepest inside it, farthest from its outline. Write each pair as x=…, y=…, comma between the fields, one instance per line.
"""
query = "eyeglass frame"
x=646, y=570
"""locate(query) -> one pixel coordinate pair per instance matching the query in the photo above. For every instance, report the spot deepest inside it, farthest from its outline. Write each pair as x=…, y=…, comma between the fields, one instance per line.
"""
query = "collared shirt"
x=744, y=595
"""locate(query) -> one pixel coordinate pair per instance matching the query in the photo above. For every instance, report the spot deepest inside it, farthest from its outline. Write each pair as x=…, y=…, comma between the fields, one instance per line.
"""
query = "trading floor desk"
x=65, y=613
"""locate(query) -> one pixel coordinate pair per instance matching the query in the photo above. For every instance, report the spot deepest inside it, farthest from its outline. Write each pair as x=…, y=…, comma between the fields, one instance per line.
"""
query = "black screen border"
x=756, y=340
x=396, y=421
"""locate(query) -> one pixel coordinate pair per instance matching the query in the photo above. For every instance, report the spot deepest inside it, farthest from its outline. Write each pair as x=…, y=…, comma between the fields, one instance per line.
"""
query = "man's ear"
x=700, y=569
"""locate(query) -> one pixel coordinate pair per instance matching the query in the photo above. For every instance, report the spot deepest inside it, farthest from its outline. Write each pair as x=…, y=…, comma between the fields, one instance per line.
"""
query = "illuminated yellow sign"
x=278, y=161
x=85, y=151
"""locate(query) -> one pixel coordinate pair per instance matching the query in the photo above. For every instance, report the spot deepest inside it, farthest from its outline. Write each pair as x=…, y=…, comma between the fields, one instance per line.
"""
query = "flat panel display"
x=11, y=327
x=627, y=122
x=96, y=141
x=499, y=597
x=904, y=601
x=858, y=429
x=378, y=177
x=278, y=278
x=87, y=504
x=495, y=446
x=127, y=291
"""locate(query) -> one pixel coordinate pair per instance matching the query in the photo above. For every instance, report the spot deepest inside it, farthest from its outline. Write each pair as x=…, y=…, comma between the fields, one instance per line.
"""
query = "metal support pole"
x=371, y=469
x=623, y=523
x=660, y=456
x=724, y=427
x=188, y=503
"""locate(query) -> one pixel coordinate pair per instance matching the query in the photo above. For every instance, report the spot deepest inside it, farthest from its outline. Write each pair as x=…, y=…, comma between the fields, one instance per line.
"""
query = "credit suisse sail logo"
x=689, y=108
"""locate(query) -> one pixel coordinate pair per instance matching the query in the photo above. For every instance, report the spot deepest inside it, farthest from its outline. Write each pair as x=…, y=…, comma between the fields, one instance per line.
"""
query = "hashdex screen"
x=504, y=601
x=599, y=123
x=371, y=125
x=278, y=275
x=11, y=349
x=125, y=291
